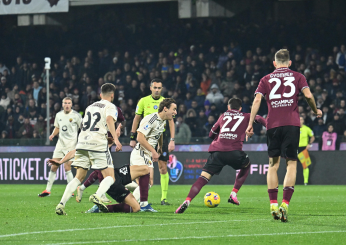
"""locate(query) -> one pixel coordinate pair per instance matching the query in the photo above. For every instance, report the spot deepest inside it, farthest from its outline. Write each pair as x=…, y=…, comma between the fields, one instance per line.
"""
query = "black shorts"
x=283, y=141
x=117, y=191
x=165, y=154
x=218, y=159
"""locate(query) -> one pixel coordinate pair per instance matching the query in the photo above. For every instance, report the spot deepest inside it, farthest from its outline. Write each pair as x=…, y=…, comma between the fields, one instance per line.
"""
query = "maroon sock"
x=119, y=208
x=91, y=179
x=144, y=187
x=288, y=192
x=99, y=175
x=196, y=187
x=273, y=195
x=241, y=177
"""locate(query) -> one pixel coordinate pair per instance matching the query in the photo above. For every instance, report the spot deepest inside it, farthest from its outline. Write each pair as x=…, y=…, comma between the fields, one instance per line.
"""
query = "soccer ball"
x=211, y=199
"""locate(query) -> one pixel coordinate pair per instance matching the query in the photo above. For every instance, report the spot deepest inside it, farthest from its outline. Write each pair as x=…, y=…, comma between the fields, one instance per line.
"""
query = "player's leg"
x=68, y=172
x=129, y=205
x=51, y=178
x=138, y=171
x=89, y=181
x=164, y=176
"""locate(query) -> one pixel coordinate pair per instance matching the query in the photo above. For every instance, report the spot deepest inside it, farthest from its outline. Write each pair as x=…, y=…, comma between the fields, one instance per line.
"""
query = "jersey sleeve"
x=310, y=132
x=146, y=126
x=302, y=83
x=121, y=117
x=214, y=131
x=140, y=107
x=56, y=124
x=79, y=120
x=261, y=120
x=112, y=111
x=261, y=89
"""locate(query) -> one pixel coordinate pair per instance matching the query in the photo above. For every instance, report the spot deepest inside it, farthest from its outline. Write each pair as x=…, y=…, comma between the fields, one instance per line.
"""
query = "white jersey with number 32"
x=93, y=136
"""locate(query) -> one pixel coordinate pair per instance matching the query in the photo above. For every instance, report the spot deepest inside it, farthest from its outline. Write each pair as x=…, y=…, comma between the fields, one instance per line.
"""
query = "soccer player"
x=92, y=147
x=67, y=123
x=146, y=106
x=281, y=89
x=304, y=146
x=228, y=135
x=149, y=134
x=96, y=175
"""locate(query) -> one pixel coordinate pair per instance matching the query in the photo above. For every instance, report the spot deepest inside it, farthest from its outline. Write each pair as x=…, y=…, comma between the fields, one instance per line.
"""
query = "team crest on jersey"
x=155, y=107
x=146, y=127
x=71, y=120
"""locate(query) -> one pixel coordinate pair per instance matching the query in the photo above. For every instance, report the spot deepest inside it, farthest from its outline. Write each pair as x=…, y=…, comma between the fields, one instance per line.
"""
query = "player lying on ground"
x=228, y=135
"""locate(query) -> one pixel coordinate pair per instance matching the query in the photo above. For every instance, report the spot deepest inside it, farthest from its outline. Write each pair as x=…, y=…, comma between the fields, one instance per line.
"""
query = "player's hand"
x=319, y=113
x=246, y=138
x=51, y=137
x=249, y=131
x=171, y=146
x=118, y=130
x=155, y=156
x=51, y=162
x=308, y=147
x=118, y=146
x=133, y=143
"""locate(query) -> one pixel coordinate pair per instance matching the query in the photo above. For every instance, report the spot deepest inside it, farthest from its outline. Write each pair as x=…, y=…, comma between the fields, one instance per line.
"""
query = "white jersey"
x=152, y=127
x=93, y=136
x=68, y=125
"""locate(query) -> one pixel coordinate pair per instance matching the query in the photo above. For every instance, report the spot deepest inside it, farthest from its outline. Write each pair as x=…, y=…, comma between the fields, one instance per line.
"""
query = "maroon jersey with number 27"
x=281, y=89
x=228, y=133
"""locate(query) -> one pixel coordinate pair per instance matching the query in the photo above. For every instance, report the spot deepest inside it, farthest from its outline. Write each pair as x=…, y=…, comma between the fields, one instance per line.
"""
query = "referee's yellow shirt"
x=305, y=134
x=148, y=105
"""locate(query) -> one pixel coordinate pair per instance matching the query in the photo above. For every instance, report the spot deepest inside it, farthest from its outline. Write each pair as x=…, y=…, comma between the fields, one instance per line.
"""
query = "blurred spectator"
x=319, y=128
x=329, y=139
x=182, y=131
x=210, y=123
x=215, y=96
x=191, y=120
x=4, y=102
x=25, y=130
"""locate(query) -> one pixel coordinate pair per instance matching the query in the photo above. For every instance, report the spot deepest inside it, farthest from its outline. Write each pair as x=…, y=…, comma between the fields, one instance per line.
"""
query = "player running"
x=146, y=106
x=67, y=123
x=149, y=134
x=92, y=148
x=228, y=135
x=281, y=89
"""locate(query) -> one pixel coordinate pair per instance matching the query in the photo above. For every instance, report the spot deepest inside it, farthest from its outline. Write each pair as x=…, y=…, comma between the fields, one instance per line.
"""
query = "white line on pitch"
x=200, y=237
x=122, y=226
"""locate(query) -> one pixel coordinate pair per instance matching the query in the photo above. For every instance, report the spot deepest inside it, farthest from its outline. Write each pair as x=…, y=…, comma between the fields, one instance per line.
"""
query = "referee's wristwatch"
x=172, y=139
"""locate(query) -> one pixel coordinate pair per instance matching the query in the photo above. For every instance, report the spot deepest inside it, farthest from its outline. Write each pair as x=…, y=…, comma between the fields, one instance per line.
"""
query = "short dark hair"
x=155, y=80
x=282, y=56
x=166, y=103
x=235, y=103
x=107, y=88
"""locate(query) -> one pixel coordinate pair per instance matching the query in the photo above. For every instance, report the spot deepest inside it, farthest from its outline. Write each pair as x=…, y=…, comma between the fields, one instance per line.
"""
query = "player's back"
x=230, y=129
x=93, y=135
x=281, y=89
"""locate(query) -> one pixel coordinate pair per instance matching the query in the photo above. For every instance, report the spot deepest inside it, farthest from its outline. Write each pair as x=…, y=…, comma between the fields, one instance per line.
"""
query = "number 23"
x=289, y=82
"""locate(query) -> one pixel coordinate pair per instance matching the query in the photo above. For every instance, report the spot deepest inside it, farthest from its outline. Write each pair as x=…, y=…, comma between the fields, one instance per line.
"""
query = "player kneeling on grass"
x=228, y=135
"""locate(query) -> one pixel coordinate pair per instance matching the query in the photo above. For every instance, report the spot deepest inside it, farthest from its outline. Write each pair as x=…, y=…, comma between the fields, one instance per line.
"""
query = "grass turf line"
x=315, y=216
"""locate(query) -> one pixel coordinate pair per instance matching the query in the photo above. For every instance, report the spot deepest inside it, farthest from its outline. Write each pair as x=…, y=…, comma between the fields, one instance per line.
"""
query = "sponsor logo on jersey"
x=64, y=128
x=229, y=136
x=146, y=127
x=175, y=168
x=155, y=107
x=281, y=103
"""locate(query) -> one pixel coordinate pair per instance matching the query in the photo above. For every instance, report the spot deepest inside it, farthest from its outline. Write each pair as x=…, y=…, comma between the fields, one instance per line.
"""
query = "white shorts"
x=60, y=153
x=91, y=159
x=139, y=157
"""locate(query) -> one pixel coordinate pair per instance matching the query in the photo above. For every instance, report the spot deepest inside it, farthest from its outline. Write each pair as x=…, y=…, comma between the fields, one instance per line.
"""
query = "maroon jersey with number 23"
x=281, y=89
x=228, y=133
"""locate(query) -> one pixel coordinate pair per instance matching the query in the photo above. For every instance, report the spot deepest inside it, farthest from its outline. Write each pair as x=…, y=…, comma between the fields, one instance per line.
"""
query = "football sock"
x=137, y=194
x=132, y=186
x=91, y=179
x=82, y=187
x=288, y=192
x=144, y=187
x=241, y=177
x=70, y=188
x=306, y=175
x=51, y=179
x=104, y=186
x=69, y=176
x=196, y=187
x=119, y=208
x=164, y=185
x=273, y=195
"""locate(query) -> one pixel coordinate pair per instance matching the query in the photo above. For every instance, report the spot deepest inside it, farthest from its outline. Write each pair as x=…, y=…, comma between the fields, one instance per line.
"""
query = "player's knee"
x=136, y=208
x=146, y=170
x=67, y=167
x=54, y=168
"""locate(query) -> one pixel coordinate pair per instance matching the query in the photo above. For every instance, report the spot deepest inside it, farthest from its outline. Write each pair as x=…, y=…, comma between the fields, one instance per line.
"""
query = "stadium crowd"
x=200, y=82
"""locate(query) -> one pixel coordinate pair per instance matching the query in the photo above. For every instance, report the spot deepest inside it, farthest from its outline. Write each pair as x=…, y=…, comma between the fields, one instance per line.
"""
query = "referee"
x=304, y=143
x=146, y=106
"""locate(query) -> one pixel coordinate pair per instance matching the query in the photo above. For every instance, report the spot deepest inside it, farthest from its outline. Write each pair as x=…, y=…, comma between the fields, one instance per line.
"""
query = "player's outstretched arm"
x=135, y=123
x=261, y=120
x=66, y=158
x=54, y=133
x=142, y=140
x=111, y=128
x=311, y=101
x=254, y=109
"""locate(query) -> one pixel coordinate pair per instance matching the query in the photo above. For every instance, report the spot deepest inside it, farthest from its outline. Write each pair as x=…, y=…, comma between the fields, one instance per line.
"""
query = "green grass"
x=316, y=216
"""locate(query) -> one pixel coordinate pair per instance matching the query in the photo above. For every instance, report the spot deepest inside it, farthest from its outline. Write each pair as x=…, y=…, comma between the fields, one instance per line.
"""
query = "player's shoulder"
x=151, y=118
x=75, y=113
x=60, y=113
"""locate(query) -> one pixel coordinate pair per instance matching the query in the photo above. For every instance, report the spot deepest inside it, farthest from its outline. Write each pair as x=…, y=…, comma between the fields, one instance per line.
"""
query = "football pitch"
x=316, y=216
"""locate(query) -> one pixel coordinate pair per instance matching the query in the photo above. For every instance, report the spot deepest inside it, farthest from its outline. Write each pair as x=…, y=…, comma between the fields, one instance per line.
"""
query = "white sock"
x=51, y=179
x=233, y=193
x=70, y=188
x=82, y=187
x=69, y=176
x=143, y=204
x=104, y=185
x=132, y=186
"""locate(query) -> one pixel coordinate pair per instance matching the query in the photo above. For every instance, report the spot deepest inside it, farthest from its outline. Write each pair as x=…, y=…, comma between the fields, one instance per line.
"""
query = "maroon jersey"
x=228, y=133
x=281, y=89
x=120, y=119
